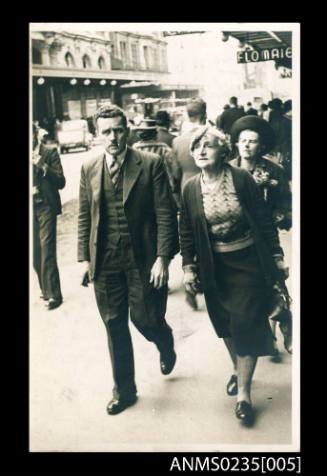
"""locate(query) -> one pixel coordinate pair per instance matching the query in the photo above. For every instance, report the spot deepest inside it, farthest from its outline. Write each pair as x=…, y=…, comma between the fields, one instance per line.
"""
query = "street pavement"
x=188, y=410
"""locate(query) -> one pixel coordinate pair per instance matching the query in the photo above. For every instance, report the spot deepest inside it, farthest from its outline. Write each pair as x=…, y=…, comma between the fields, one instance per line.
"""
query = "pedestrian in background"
x=231, y=115
x=127, y=235
x=250, y=111
x=147, y=132
x=254, y=137
x=196, y=110
x=276, y=122
x=218, y=118
x=163, y=122
x=225, y=224
x=48, y=179
x=264, y=112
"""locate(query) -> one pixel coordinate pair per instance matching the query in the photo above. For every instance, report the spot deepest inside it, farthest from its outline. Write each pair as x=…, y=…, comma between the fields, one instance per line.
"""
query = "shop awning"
x=260, y=40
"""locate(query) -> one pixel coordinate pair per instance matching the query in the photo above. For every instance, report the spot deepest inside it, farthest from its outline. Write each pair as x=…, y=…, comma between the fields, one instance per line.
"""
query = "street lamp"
x=73, y=81
x=86, y=82
x=103, y=82
x=40, y=81
x=113, y=82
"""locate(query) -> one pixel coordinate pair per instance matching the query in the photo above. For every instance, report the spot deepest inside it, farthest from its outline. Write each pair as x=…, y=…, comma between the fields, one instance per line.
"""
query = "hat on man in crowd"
x=275, y=103
x=257, y=124
x=146, y=125
x=162, y=118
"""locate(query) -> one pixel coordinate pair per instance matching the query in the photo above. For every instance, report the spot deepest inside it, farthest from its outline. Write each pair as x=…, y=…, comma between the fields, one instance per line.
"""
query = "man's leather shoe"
x=53, y=303
x=45, y=298
x=232, y=387
x=167, y=361
x=118, y=405
x=244, y=411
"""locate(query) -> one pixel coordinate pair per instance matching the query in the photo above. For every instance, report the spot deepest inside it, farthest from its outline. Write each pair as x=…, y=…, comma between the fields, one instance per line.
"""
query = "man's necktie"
x=114, y=170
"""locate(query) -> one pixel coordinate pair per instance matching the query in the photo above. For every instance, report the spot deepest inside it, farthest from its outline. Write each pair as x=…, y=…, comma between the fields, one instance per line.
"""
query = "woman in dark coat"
x=254, y=137
x=226, y=230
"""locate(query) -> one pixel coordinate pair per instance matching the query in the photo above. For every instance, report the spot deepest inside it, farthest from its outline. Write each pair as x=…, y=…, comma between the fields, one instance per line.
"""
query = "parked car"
x=73, y=134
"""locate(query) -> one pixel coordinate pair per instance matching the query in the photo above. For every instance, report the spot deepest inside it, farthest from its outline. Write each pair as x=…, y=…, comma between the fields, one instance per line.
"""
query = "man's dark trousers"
x=118, y=290
x=44, y=251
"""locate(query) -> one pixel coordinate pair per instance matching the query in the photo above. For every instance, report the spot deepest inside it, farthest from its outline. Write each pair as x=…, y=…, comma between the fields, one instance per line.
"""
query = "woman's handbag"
x=281, y=313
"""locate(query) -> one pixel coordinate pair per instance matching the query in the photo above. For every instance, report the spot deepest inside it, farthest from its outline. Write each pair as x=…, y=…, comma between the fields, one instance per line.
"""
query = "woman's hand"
x=282, y=267
x=191, y=282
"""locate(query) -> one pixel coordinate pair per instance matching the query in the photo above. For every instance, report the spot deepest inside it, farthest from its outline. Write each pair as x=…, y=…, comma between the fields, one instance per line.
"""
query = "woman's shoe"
x=275, y=356
x=243, y=411
x=232, y=387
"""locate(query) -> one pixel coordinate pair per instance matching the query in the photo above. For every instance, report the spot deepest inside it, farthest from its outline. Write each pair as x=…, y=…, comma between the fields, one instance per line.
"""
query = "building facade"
x=72, y=73
x=209, y=61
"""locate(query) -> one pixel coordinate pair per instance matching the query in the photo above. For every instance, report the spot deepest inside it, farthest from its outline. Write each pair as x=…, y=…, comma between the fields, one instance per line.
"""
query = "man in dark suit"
x=127, y=235
x=48, y=178
x=250, y=111
x=231, y=115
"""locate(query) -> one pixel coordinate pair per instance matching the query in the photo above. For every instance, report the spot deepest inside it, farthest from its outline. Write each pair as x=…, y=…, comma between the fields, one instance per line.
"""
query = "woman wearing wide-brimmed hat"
x=225, y=227
x=254, y=137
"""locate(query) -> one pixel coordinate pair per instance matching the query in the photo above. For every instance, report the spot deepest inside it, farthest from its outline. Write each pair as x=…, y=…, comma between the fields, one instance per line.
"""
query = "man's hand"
x=159, y=273
x=85, y=268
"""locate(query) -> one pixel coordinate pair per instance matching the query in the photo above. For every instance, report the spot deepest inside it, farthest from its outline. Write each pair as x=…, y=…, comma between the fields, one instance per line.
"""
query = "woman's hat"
x=257, y=124
x=146, y=125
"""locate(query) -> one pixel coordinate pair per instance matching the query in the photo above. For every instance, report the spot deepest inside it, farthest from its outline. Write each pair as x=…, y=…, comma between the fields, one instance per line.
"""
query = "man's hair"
x=233, y=100
x=110, y=110
x=249, y=103
x=196, y=108
x=264, y=106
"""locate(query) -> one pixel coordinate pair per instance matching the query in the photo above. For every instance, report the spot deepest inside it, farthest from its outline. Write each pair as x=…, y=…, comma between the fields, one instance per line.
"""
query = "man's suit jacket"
x=148, y=204
x=181, y=151
x=54, y=178
x=164, y=136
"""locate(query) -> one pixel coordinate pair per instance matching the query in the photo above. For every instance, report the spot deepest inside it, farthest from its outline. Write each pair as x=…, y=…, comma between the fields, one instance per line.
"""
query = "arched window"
x=36, y=56
x=101, y=63
x=69, y=60
x=86, y=61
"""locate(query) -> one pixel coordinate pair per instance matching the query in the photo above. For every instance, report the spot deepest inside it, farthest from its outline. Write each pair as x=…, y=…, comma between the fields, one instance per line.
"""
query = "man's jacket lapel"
x=132, y=171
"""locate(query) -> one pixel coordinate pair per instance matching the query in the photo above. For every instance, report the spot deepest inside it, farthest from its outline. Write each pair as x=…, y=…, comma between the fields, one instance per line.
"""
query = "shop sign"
x=268, y=54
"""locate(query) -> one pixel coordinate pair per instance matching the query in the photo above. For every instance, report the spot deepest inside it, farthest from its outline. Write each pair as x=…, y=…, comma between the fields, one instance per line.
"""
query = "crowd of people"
x=217, y=193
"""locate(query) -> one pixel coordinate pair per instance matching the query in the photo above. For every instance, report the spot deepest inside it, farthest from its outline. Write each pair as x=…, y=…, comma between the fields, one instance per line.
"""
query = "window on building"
x=155, y=59
x=135, y=61
x=69, y=60
x=36, y=56
x=86, y=61
x=146, y=57
x=101, y=63
x=123, y=52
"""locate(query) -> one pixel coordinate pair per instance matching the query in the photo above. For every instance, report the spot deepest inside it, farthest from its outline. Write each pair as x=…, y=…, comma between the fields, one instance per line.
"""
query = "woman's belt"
x=244, y=242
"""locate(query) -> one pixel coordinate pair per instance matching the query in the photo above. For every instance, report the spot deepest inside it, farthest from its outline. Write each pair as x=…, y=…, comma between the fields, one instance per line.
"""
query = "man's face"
x=249, y=144
x=113, y=134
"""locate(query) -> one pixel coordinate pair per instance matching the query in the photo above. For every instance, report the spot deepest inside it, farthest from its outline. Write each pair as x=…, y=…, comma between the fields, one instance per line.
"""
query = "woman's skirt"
x=243, y=295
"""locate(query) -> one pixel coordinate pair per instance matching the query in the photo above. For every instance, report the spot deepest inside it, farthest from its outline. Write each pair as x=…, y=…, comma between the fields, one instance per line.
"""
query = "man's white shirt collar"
x=120, y=157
